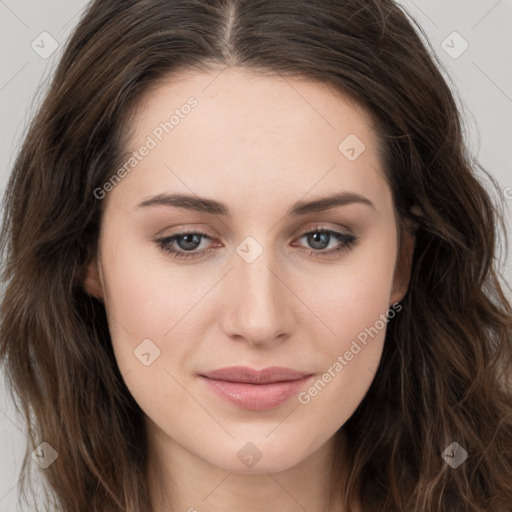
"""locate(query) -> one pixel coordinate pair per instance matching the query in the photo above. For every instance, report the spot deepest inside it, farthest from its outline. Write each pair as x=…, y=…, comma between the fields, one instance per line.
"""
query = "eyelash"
x=348, y=242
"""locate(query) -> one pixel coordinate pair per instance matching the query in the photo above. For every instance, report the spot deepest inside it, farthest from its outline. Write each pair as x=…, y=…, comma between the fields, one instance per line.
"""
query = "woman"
x=249, y=266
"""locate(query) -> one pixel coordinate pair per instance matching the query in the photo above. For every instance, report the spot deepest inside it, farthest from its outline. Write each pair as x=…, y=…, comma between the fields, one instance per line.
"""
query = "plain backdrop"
x=472, y=37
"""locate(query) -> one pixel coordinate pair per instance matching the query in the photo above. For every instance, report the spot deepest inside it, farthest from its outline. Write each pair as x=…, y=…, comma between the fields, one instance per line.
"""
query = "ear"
x=93, y=284
x=402, y=275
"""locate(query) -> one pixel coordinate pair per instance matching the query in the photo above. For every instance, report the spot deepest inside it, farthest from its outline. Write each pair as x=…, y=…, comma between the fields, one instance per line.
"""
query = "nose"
x=259, y=304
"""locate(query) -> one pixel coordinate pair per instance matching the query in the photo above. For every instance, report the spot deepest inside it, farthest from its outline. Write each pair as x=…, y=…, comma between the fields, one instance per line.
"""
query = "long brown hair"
x=445, y=372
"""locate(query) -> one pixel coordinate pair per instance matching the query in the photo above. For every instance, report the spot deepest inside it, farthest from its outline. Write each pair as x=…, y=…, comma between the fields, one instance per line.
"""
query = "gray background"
x=482, y=77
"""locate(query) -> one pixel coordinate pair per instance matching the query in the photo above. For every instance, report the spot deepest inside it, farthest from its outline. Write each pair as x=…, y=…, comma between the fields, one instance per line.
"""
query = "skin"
x=258, y=144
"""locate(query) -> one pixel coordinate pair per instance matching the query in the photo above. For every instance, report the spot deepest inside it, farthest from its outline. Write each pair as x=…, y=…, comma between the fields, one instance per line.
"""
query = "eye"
x=185, y=245
x=319, y=239
x=187, y=242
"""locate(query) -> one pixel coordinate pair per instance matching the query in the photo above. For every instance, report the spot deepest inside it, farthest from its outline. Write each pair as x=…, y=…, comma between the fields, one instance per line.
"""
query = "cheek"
x=147, y=295
x=145, y=301
x=354, y=294
x=354, y=304
x=149, y=298
x=137, y=302
x=350, y=363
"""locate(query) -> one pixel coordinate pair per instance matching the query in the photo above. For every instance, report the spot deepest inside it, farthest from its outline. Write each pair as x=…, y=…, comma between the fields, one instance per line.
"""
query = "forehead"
x=253, y=132
x=243, y=99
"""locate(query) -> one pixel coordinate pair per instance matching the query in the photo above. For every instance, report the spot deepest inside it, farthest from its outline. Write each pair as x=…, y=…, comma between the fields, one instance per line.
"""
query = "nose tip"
x=258, y=307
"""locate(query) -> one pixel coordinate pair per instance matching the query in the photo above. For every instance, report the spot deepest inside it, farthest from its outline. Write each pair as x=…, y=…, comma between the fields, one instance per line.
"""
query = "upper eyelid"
x=313, y=229
x=322, y=227
x=326, y=226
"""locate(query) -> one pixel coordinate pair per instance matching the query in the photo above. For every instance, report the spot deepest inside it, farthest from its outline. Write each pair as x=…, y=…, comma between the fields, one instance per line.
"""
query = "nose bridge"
x=258, y=306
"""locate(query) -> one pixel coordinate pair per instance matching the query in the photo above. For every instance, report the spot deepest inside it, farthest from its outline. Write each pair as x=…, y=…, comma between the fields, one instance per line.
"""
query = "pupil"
x=191, y=241
x=318, y=240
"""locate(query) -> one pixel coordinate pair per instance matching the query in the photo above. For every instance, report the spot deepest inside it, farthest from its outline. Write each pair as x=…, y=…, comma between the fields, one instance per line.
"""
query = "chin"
x=260, y=456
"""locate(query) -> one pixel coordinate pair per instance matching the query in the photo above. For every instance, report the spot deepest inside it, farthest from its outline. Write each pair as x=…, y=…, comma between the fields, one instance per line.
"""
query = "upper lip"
x=251, y=376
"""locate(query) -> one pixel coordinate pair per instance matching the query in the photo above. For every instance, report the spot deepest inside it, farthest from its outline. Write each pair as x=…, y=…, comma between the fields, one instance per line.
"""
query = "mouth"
x=255, y=390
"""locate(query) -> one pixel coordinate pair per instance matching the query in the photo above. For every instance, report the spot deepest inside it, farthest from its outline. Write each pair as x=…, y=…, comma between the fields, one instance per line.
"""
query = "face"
x=253, y=270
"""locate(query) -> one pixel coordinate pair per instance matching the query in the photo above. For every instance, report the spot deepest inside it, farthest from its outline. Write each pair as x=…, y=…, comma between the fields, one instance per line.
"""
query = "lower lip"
x=256, y=397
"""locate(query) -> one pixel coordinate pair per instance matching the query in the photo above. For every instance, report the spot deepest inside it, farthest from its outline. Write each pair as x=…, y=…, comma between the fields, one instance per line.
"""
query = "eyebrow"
x=204, y=205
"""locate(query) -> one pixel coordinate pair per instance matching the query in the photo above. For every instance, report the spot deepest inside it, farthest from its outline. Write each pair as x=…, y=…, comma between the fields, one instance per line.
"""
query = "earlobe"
x=403, y=267
x=92, y=283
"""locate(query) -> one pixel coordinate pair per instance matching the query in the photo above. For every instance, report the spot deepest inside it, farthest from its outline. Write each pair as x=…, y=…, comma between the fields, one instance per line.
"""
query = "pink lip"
x=255, y=390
